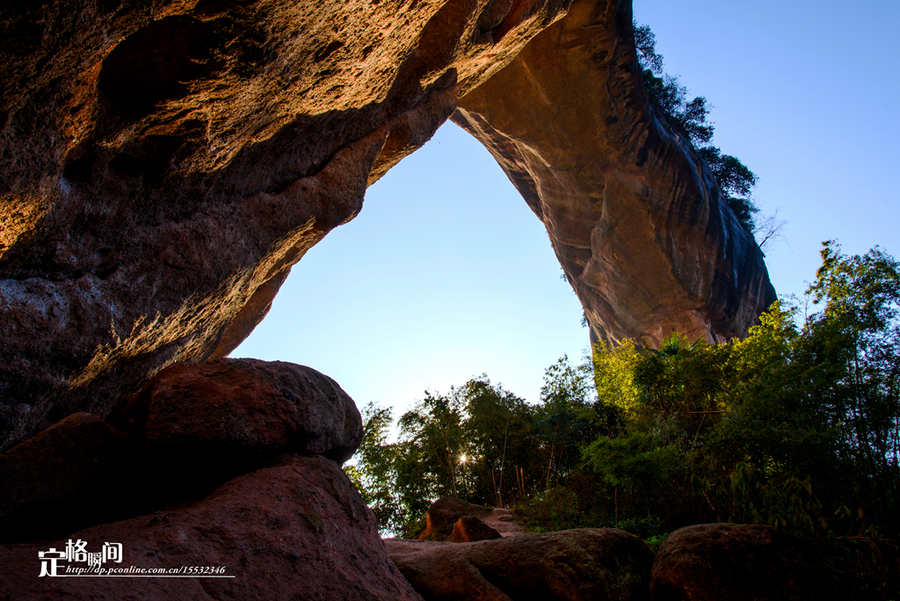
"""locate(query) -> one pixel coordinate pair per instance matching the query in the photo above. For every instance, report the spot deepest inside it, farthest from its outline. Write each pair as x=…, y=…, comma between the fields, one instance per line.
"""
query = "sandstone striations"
x=163, y=164
x=636, y=221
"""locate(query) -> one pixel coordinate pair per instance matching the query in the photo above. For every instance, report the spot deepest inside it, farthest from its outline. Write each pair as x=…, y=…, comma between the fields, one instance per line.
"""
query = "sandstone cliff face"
x=163, y=164
x=636, y=221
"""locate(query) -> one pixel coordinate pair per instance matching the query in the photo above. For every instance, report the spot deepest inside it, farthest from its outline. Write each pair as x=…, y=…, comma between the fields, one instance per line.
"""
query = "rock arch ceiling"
x=164, y=164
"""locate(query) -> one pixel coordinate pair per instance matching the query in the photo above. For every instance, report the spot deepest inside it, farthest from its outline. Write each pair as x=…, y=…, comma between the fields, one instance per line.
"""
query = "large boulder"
x=192, y=428
x=227, y=478
x=215, y=411
x=572, y=565
x=295, y=530
x=735, y=562
x=443, y=514
x=469, y=529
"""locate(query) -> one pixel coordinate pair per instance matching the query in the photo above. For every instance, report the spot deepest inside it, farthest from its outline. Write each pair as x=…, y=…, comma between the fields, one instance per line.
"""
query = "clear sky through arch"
x=446, y=273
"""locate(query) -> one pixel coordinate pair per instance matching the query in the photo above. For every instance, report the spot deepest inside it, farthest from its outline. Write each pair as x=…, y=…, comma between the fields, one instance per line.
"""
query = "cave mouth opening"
x=444, y=275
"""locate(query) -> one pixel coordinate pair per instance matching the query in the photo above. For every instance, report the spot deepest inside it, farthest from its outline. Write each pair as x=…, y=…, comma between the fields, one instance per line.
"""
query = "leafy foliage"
x=374, y=470
x=479, y=442
x=796, y=426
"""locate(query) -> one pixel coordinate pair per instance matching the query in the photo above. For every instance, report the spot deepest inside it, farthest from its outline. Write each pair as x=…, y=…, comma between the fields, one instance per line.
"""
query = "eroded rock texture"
x=192, y=428
x=295, y=530
x=211, y=410
x=164, y=163
x=635, y=219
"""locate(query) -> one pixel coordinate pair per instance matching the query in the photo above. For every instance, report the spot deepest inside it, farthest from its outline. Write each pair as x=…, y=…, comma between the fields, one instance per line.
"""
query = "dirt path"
x=503, y=521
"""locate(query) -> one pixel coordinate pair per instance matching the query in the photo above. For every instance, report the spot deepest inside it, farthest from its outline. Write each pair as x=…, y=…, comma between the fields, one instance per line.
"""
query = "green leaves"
x=796, y=426
x=788, y=427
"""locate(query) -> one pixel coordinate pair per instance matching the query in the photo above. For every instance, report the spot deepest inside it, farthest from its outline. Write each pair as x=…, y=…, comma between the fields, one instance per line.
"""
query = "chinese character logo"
x=76, y=552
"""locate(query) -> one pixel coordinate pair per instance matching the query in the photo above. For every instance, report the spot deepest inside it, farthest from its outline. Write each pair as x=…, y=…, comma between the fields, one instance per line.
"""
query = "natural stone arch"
x=164, y=167
x=635, y=218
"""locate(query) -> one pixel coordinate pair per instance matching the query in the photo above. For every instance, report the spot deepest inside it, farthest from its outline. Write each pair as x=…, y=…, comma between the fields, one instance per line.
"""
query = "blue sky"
x=446, y=273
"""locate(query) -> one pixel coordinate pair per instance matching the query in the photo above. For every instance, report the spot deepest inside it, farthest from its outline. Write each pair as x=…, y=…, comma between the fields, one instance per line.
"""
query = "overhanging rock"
x=162, y=166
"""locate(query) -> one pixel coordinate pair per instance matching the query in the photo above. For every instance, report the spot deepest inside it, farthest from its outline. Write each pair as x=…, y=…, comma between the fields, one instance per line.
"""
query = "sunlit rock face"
x=635, y=219
x=163, y=164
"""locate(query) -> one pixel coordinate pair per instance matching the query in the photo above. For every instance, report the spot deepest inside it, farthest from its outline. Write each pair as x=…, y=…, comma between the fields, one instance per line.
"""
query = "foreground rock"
x=194, y=427
x=70, y=475
x=295, y=530
x=571, y=565
x=228, y=470
x=469, y=529
x=451, y=519
x=636, y=220
x=731, y=562
x=162, y=166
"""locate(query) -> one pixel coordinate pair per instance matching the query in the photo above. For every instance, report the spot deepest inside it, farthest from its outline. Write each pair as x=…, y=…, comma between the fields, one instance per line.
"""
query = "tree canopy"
x=796, y=426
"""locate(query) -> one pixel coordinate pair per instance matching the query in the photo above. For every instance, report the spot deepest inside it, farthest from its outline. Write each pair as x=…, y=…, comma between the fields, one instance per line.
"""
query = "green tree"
x=500, y=433
x=566, y=418
x=761, y=461
x=796, y=426
x=432, y=440
x=374, y=470
x=674, y=399
x=856, y=336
